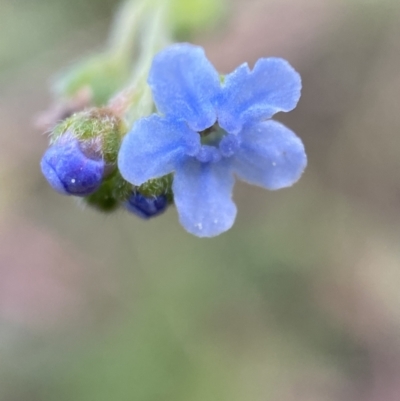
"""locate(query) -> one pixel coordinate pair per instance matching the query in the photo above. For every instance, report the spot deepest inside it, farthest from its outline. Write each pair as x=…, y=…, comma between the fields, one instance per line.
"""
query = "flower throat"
x=212, y=136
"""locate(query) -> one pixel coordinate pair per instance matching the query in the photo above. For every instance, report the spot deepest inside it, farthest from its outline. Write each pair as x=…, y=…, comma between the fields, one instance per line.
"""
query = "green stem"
x=156, y=35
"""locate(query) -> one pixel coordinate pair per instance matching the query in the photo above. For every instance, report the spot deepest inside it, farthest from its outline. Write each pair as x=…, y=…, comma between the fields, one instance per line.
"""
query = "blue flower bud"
x=83, y=152
x=69, y=170
x=146, y=207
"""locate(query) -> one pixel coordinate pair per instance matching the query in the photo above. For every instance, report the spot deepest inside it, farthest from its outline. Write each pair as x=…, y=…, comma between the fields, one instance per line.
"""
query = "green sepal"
x=97, y=124
x=103, y=199
x=121, y=188
x=111, y=194
x=114, y=191
x=157, y=187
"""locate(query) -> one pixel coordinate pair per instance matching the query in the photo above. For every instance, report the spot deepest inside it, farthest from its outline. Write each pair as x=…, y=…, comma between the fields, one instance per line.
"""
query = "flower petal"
x=153, y=147
x=184, y=84
x=270, y=156
x=203, y=197
x=251, y=96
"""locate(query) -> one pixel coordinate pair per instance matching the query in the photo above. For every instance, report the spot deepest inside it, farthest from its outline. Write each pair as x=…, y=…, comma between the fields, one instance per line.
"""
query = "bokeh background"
x=299, y=301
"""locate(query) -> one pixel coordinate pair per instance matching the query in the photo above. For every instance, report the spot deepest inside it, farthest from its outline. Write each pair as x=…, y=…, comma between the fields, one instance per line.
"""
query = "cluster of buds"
x=82, y=161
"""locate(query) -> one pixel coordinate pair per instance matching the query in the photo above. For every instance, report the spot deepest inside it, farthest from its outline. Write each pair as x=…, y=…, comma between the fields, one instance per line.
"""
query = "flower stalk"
x=136, y=100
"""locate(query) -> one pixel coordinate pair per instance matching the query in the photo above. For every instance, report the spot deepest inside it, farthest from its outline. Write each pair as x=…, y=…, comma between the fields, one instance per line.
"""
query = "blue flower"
x=71, y=171
x=146, y=207
x=213, y=128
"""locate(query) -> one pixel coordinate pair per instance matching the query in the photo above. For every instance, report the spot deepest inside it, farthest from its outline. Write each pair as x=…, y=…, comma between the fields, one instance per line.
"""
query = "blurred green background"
x=299, y=301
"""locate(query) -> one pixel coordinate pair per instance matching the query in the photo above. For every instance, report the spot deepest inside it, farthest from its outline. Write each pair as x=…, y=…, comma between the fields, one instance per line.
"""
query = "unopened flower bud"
x=83, y=152
x=69, y=170
x=146, y=207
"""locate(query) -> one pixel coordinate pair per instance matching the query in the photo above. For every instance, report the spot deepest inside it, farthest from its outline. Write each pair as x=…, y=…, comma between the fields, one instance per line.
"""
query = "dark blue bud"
x=69, y=170
x=146, y=207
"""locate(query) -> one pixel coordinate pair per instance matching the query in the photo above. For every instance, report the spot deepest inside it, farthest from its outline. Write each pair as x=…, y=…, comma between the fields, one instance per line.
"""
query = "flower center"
x=212, y=136
x=216, y=144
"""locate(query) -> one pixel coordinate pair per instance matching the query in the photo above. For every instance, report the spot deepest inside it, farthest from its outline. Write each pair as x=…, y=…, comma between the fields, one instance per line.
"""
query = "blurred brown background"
x=300, y=301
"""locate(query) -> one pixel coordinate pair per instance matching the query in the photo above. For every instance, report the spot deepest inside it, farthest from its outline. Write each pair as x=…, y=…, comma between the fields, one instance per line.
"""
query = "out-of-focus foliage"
x=195, y=16
x=102, y=72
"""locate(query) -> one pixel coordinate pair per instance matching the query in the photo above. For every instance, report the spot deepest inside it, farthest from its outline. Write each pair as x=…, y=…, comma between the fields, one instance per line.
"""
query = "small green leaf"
x=103, y=74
